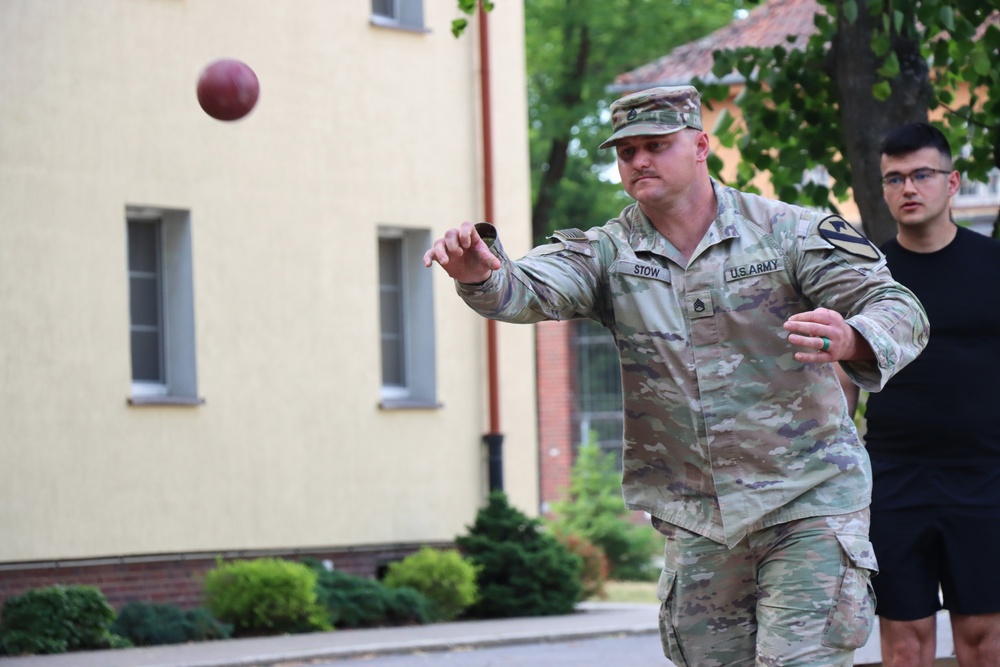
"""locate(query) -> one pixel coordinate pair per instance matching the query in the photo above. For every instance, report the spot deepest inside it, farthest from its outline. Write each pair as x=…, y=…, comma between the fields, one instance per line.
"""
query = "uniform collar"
x=643, y=237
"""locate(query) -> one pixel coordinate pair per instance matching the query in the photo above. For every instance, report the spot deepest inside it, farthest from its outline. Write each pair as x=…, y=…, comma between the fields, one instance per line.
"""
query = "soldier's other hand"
x=826, y=337
x=463, y=255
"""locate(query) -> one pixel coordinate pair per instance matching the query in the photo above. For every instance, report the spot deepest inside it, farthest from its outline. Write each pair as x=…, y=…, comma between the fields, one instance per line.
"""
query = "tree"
x=872, y=65
x=574, y=48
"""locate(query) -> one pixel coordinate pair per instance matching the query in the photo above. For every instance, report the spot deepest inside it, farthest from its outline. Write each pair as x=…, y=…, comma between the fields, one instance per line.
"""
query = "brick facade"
x=556, y=370
x=177, y=578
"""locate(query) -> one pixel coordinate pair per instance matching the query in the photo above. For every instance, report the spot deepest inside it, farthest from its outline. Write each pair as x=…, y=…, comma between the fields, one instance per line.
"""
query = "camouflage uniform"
x=726, y=434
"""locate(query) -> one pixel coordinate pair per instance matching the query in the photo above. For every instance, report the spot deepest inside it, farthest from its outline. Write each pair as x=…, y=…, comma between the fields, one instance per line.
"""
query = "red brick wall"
x=556, y=369
x=177, y=578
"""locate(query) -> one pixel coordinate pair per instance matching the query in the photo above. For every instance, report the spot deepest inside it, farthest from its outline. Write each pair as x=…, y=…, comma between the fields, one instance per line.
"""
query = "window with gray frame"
x=161, y=306
x=406, y=319
x=408, y=14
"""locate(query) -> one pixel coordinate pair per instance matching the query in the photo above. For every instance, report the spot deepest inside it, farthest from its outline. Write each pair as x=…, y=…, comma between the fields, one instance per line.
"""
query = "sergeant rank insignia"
x=842, y=235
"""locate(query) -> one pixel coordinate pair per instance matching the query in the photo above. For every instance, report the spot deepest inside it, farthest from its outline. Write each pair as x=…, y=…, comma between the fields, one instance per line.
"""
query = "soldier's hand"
x=826, y=336
x=463, y=255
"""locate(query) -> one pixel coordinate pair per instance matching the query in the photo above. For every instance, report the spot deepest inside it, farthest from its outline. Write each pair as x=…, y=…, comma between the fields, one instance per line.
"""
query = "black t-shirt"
x=933, y=432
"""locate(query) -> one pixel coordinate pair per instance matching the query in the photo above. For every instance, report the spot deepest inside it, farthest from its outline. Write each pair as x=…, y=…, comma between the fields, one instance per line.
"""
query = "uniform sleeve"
x=839, y=269
x=557, y=281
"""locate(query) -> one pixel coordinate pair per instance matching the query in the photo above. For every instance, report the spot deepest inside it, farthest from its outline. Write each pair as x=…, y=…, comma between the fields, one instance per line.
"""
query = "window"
x=975, y=193
x=161, y=306
x=408, y=14
x=599, y=388
x=406, y=311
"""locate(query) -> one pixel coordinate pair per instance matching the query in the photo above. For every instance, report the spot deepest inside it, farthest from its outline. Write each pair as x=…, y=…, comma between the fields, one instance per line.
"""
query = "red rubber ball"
x=228, y=89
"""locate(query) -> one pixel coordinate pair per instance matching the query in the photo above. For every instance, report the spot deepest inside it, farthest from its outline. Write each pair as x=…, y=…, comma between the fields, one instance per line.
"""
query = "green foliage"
x=522, y=570
x=153, y=624
x=56, y=619
x=443, y=576
x=912, y=54
x=594, y=570
x=593, y=508
x=575, y=49
x=357, y=602
x=459, y=25
x=266, y=596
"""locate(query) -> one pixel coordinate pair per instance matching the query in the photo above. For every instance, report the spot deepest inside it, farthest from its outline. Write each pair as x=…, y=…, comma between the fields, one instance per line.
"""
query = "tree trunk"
x=569, y=97
x=547, y=188
x=855, y=73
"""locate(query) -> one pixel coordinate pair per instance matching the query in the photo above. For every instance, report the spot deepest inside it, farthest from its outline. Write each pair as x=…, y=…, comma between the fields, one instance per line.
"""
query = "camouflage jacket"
x=725, y=432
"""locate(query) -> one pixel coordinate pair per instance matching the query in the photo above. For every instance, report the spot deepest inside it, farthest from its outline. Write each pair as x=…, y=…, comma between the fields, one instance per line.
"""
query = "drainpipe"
x=494, y=438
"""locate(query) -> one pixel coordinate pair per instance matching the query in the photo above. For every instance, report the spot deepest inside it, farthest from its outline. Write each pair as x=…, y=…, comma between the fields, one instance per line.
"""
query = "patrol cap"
x=662, y=110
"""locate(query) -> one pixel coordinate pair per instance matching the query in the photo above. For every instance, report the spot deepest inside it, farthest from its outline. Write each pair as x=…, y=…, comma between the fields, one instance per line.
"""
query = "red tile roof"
x=767, y=25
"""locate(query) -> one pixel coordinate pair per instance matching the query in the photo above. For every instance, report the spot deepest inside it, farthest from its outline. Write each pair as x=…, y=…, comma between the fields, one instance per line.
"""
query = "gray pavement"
x=592, y=619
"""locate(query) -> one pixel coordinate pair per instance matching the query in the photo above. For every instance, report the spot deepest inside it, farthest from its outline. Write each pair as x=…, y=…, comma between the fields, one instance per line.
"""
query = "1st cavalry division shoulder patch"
x=845, y=237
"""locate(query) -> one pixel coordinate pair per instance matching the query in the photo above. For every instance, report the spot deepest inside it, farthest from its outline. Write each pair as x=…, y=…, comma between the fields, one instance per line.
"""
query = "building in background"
x=218, y=339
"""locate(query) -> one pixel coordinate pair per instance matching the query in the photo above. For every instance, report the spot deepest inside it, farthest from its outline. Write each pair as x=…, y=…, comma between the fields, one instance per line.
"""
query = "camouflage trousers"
x=795, y=594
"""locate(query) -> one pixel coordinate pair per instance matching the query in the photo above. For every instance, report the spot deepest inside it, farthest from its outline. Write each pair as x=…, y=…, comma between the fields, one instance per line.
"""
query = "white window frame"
x=978, y=193
x=402, y=14
x=419, y=365
x=176, y=288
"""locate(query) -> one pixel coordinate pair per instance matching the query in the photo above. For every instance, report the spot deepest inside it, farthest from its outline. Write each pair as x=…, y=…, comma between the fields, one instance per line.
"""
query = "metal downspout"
x=494, y=438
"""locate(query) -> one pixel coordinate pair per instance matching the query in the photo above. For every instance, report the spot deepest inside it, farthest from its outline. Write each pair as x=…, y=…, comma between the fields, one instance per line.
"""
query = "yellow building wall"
x=357, y=126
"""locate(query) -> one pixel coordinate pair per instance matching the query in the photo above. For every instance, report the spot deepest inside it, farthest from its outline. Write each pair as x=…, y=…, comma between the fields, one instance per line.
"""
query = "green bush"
x=594, y=573
x=522, y=571
x=593, y=509
x=265, y=596
x=153, y=624
x=56, y=619
x=443, y=576
x=357, y=602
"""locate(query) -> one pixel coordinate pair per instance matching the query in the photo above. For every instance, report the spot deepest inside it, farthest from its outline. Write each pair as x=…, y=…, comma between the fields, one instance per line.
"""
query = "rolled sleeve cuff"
x=871, y=375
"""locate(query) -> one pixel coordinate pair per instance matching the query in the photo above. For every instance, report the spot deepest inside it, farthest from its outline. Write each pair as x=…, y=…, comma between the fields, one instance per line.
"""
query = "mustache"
x=642, y=174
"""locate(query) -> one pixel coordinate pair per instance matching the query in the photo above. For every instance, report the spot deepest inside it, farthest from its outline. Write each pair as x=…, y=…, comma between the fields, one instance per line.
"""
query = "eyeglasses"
x=919, y=177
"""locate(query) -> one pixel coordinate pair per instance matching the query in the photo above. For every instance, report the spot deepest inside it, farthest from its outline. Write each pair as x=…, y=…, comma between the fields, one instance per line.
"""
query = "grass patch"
x=630, y=592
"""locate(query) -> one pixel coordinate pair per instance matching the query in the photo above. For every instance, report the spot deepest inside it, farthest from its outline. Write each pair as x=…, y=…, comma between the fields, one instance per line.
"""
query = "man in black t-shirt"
x=933, y=433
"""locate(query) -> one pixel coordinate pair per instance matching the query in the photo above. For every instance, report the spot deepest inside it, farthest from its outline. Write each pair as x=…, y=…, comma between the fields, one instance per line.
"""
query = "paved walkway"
x=594, y=619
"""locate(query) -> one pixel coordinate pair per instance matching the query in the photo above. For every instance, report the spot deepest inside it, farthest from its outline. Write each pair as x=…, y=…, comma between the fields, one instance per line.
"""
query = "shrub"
x=594, y=573
x=443, y=576
x=522, y=571
x=357, y=602
x=152, y=624
x=593, y=509
x=265, y=596
x=56, y=619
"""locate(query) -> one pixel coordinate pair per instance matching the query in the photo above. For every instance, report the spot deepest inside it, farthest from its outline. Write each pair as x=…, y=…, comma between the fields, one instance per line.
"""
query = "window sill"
x=166, y=400
x=408, y=404
x=382, y=22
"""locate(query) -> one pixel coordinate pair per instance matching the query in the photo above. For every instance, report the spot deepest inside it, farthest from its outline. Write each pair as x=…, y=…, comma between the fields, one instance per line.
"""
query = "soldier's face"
x=659, y=168
x=924, y=200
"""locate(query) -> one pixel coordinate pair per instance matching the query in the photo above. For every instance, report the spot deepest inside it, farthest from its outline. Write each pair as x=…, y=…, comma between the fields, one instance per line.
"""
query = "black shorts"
x=923, y=549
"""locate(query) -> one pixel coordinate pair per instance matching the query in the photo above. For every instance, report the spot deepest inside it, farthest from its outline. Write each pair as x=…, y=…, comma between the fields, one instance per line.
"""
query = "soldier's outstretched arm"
x=463, y=254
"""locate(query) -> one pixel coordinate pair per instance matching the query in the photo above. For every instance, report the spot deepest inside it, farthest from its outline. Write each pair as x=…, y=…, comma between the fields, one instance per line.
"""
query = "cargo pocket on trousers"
x=668, y=633
x=853, y=615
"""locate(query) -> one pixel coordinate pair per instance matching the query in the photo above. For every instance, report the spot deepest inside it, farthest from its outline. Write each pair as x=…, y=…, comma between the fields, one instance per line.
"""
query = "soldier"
x=727, y=310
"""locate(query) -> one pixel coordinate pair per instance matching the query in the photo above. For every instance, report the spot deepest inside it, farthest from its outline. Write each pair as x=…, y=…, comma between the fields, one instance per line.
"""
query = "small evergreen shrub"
x=594, y=572
x=56, y=619
x=594, y=509
x=265, y=596
x=443, y=576
x=358, y=602
x=154, y=624
x=522, y=571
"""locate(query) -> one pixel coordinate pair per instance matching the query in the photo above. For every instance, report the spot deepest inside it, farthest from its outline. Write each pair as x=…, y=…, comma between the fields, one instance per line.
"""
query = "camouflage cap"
x=655, y=111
